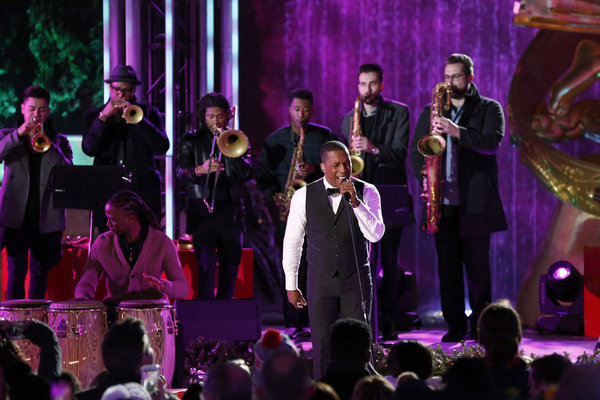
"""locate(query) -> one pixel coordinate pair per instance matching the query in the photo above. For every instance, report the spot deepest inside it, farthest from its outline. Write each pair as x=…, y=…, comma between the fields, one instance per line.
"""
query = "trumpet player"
x=133, y=141
x=216, y=233
x=29, y=222
x=276, y=167
x=383, y=141
x=471, y=209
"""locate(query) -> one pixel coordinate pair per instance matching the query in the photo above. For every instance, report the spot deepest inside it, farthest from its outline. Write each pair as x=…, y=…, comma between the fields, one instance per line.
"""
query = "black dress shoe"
x=453, y=337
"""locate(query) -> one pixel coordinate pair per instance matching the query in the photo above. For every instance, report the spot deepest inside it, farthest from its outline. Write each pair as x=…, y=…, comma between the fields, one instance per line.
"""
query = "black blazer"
x=391, y=136
x=481, y=132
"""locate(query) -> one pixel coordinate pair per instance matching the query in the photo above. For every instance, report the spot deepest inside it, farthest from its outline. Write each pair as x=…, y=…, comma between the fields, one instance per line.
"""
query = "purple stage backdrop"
x=320, y=44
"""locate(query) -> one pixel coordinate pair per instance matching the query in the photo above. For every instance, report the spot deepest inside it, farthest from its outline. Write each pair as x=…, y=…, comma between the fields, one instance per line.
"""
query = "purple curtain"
x=319, y=44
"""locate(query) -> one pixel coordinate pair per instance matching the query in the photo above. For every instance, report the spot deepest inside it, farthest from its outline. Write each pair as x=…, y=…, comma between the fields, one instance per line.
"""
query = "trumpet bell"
x=358, y=164
x=431, y=145
x=40, y=143
x=233, y=143
x=133, y=114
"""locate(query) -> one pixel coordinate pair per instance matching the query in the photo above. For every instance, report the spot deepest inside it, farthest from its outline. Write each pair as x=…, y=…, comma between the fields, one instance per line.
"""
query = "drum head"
x=159, y=303
x=25, y=303
x=77, y=305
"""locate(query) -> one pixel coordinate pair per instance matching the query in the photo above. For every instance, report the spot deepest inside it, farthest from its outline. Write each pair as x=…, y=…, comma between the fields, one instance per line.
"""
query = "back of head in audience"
x=126, y=391
x=469, y=378
x=580, y=382
x=272, y=342
x=373, y=388
x=193, y=392
x=410, y=355
x=500, y=331
x=350, y=341
x=124, y=345
x=545, y=371
x=227, y=381
x=324, y=391
x=284, y=377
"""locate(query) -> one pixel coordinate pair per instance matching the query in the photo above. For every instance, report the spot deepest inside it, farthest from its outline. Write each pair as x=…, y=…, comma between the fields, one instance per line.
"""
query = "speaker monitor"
x=229, y=320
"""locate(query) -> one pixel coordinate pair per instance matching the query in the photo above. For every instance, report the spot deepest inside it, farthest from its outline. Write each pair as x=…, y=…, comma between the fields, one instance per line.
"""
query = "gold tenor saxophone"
x=292, y=183
x=432, y=147
x=358, y=164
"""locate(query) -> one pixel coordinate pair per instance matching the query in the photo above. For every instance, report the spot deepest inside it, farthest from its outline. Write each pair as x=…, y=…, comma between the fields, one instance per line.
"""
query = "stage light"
x=561, y=299
x=564, y=283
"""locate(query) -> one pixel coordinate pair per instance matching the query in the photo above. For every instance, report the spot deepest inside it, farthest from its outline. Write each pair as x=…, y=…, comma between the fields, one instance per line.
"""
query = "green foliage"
x=57, y=44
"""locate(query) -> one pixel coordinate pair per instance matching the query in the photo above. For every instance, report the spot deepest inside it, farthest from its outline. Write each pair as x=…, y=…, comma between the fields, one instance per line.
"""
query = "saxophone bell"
x=358, y=164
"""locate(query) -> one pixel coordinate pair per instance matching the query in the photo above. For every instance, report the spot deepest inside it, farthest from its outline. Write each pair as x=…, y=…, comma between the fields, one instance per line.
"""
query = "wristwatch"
x=375, y=150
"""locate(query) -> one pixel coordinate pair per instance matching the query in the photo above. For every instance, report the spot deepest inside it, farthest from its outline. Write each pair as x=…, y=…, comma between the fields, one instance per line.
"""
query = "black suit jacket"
x=391, y=135
x=481, y=132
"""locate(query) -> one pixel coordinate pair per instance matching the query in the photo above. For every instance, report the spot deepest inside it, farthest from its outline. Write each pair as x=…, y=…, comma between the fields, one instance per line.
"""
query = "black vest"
x=328, y=235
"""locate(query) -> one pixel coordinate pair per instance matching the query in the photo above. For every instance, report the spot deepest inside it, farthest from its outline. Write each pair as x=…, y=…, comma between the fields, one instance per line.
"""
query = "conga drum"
x=80, y=327
x=158, y=315
x=23, y=310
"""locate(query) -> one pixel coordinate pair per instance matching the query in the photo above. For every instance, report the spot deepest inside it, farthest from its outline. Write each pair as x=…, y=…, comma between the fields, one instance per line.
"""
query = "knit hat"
x=272, y=342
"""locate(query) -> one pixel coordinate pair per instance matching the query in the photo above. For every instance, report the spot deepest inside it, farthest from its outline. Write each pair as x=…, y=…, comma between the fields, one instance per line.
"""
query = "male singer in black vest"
x=321, y=211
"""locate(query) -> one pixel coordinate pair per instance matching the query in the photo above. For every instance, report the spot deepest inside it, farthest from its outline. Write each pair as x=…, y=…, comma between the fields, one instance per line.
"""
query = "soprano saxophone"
x=432, y=147
x=293, y=182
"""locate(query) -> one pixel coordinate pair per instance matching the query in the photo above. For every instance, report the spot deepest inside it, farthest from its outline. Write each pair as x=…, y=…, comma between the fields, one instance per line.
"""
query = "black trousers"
x=454, y=251
x=44, y=252
x=332, y=298
x=217, y=241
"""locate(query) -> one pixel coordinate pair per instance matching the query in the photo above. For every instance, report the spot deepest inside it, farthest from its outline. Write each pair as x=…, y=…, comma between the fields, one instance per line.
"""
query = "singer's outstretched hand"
x=296, y=299
x=347, y=190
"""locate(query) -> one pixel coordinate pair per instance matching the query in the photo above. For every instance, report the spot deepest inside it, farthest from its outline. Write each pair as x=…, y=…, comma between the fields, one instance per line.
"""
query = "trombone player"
x=118, y=134
x=214, y=210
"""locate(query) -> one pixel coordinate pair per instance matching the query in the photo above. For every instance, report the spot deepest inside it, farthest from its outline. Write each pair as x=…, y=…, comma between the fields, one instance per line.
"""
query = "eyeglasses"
x=453, y=77
x=125, y=91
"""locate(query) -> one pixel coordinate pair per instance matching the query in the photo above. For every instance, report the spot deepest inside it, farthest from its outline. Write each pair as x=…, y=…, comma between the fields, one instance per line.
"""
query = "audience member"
x=410, y=387
x=227, y=381
x=545, y=372
x=580, y=382
x=373, y=388
x=499, y=330
x=123, y=350
x=272, y=343
x=323, y=391
x=126, y=391
x=412, y=356
x=350, y=350
x=469, y=378
x=284, y=377
x=193, y=392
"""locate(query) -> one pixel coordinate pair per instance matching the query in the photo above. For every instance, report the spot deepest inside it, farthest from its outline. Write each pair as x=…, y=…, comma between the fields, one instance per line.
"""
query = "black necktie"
x=331, y=191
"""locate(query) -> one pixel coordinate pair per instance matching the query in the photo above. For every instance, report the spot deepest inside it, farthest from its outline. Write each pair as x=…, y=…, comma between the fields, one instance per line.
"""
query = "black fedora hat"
x=123, y=73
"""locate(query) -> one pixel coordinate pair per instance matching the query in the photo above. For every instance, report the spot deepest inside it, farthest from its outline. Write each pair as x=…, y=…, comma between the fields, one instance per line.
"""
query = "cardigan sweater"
x=158, y=255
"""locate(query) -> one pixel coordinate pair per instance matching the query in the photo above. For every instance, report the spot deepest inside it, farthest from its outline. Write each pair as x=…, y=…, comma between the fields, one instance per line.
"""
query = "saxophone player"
x=276, y=166
x=383, y=145
x=471, y=209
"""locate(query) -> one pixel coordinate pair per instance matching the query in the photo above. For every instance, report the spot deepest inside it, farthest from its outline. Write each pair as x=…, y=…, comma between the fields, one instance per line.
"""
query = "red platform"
x=63, y=278
x=591, y=291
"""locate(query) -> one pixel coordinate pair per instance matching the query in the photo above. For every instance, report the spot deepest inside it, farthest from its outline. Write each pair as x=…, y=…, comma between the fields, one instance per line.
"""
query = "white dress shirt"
x=368, y=214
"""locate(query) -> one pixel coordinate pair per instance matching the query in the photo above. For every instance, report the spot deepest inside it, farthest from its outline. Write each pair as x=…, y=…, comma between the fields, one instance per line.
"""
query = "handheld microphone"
x=347, y=195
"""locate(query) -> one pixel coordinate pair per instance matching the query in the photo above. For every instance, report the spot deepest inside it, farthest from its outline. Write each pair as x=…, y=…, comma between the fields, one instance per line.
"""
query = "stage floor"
x=532, y=344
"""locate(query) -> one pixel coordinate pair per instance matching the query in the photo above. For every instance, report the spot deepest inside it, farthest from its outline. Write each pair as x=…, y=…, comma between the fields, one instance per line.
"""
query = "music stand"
x=87, y=187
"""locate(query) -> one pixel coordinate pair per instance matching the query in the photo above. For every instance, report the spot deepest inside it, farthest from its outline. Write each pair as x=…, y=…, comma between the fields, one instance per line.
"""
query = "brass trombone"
x=39, y=143
x=231, y=143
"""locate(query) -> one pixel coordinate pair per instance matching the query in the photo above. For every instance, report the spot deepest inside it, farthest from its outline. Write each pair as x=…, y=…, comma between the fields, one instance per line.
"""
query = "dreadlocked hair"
x=130, y=201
